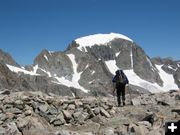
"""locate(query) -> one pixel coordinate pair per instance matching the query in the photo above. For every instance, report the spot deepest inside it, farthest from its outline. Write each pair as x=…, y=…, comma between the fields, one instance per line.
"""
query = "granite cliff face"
x=87, y=67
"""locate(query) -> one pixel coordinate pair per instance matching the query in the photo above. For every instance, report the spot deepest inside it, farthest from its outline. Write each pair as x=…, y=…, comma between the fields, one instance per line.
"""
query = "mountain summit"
x=99, y=39
x=88, y=64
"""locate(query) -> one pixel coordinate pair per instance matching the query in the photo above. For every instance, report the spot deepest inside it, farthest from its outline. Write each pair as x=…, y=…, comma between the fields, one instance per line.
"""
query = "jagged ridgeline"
x=87, y=67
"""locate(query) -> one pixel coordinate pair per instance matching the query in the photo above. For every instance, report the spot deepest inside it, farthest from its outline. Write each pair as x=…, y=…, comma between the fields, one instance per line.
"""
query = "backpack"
x=120, y=79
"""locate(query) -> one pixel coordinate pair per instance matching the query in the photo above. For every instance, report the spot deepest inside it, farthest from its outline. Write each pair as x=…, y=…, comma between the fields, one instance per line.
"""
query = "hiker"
x=120, y=81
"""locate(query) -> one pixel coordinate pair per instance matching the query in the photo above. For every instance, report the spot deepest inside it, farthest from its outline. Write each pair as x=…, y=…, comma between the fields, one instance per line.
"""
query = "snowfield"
x=98, y=39
x=75, y=77
x=134, y=79
x=18, y=70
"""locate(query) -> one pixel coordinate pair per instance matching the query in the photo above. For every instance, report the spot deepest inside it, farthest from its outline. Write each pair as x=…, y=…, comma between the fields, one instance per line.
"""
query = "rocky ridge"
x=37, y=113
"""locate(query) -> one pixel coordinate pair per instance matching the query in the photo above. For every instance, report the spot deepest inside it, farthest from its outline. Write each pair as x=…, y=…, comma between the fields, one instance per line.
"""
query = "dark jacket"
x=114, y=80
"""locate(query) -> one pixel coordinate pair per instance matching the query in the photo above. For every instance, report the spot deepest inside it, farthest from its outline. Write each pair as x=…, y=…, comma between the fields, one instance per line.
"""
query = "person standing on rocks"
x=120, y=81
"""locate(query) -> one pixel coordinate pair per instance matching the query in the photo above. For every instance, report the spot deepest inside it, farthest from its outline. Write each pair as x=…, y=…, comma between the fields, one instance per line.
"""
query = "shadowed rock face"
x=7, y=78
x=56, y=63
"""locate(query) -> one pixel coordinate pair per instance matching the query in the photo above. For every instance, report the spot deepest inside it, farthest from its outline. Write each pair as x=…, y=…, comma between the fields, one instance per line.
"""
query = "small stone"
x=154, y=132
x=52, y=110
x=78, y=103
x=177, y=110
x=96, y=111
x=26, y=98
x=57, y=120
x=9, y=115
x=43, y=108
x=79, y=117
x=85, y=115
x=106, y=107
x=60, y=117
x=14, y=110
x=1, y=122
x=112, y=112
x=67, y=115
x=65, y=106
x=136, y=101
x=138, y=130
x=2, y=117
x=110, y=105
x=2, y=131
x=22, y=123
x=28, y=112
x=145, y=123
x=177, y=97
x=69, y=101
x=5, y=92
x=104, y=113
x=108, y=131
x=71, y=107
x=12, y=129
x=89, y=110
x=18, y=102
x=58, y=123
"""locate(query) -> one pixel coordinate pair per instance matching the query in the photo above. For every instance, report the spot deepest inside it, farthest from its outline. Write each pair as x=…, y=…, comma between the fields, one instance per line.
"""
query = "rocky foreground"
x=36, y=113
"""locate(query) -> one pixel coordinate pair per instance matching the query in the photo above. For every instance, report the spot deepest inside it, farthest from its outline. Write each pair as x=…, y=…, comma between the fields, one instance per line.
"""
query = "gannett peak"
x=99, y=39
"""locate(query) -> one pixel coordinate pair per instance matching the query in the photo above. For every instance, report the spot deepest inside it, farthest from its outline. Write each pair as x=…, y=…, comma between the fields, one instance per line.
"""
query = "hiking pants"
x=120, y=93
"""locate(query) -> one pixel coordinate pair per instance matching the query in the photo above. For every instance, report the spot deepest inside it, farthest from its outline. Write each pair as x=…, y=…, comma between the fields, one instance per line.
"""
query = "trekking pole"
x=114, y=98
x=114, y=91
x=129, y=95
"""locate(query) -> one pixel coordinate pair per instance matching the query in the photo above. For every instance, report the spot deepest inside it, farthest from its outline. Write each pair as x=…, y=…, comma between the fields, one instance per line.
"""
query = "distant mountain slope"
x=88, y=65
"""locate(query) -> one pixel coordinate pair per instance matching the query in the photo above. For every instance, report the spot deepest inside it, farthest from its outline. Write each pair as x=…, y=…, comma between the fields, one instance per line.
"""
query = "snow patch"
x=178, y=65
x=111, y=64
x=46, y=57
x=168, y=79
x=98, y=39
x=35, y=68
x=172, y=68
x=47, y=72
x=93, y=72
x=91, y=81
x=75, y=77
x=73, y=94
x=131, y=55
x=151, y=65
x=134, y=79
x=18, y=70
x=117, y=54
x=87, y=66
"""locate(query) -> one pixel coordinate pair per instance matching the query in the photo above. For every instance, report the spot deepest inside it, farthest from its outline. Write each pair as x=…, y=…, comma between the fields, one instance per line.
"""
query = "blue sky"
x=28, y=26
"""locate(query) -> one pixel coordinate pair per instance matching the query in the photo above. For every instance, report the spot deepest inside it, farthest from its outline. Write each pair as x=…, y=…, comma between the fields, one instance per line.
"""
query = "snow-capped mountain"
x=88, y=64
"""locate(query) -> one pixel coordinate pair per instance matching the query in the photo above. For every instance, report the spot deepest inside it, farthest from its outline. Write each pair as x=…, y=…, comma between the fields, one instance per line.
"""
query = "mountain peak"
x=99, y=39
x=7, y=58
